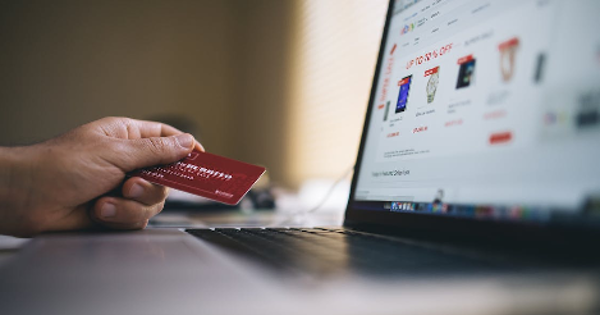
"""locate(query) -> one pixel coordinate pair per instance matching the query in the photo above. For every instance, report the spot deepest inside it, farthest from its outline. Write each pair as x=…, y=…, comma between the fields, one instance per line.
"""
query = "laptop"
x=476, y=190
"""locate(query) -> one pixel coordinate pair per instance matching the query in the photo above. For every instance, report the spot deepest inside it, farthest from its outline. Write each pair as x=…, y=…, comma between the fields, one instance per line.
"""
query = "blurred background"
x=280, y=83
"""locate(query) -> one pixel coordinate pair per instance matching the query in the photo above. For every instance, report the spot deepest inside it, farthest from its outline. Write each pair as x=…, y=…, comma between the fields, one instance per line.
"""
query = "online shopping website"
x=486, y=103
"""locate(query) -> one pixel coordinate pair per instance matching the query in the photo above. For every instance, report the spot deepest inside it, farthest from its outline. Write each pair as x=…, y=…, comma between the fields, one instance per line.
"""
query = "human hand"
x=77, y=180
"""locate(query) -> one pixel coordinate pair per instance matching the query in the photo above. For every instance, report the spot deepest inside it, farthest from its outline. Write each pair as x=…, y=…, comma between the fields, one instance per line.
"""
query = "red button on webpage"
x=431, y=71
x=500, y=137
x=509, y=43
x=465, y=59
x=403, y=81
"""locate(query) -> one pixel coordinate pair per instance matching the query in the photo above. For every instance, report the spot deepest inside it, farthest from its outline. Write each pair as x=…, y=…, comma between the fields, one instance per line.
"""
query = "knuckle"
x=158, y=208
x=161, y=206
x=119, y=118
x=158, y=144
x=112, y=119
x=161, y=193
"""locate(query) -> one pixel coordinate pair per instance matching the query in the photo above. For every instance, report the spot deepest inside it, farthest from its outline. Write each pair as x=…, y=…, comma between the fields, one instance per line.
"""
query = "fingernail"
x=108, y=210
x=136, y=191
x=185, y=140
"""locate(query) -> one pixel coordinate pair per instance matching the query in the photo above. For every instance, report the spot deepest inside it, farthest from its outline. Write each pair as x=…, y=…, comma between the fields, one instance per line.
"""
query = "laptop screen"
x=487, y=110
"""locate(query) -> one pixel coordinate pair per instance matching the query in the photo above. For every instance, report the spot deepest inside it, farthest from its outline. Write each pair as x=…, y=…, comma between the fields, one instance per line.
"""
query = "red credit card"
x=207, y=175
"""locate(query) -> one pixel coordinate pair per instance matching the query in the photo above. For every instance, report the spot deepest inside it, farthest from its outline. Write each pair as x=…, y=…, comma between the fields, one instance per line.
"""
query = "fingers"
x=128, y=128
x=149, y=129
x=145, y=152
x=121, y=213
x=142, y=200
x=141, y=190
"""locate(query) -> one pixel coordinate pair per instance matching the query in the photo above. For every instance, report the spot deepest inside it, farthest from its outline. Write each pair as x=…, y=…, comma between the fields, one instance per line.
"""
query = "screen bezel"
x=424, y=223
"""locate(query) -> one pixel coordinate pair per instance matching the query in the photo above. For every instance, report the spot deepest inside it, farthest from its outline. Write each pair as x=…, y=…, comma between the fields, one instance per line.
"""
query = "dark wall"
x=219, y=64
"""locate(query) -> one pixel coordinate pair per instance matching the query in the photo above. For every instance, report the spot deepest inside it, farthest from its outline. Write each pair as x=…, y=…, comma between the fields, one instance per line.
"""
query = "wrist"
x=15, y=178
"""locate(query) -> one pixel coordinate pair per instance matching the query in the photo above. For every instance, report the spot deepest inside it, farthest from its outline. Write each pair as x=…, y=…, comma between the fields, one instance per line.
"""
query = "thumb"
x=153, y=151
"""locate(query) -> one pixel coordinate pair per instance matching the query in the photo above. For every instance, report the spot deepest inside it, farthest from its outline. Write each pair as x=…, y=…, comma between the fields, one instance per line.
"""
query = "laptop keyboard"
x=334, y=251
